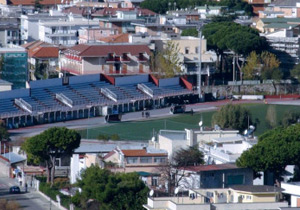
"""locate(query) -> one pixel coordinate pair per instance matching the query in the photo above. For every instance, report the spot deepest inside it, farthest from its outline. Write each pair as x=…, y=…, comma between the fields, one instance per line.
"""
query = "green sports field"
x=143, y=130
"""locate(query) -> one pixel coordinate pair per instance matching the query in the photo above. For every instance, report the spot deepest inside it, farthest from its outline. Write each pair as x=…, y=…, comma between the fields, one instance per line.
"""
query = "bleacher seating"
x=7, y=106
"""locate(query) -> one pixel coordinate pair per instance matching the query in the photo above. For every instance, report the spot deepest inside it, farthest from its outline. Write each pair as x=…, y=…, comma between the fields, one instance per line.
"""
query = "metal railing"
x=64, y=99
x=109, y=94
x=145, y=89
x=23, y=105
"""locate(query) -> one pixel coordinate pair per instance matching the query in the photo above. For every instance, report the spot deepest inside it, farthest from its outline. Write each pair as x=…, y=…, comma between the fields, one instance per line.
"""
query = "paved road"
x=133, y=116
x=27, y=201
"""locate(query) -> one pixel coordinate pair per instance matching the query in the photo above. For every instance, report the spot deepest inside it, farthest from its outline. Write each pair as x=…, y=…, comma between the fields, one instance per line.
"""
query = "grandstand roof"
x=85, y=50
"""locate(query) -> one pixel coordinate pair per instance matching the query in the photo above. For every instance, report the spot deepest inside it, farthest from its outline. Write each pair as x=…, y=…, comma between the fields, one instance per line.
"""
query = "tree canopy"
x=166, y=63
x=230, y=36
x=295, y=72
x=275, y=150
x=4, y=135
x=161, y=6
x=172, y=171
x=190, y=32
x=232, y=116
x=118, y=191
x=49, y=145
x=289, y=118
x=191, y=156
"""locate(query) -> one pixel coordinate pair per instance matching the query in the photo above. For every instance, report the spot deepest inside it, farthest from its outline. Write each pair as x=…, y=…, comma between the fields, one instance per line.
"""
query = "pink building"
x=113, y=59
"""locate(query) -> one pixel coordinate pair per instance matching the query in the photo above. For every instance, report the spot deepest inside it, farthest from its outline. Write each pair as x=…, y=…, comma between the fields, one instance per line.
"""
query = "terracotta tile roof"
x=119, y=38
x=141, y=153
x=84, y=50
x=39, y=49
x=31, y=2
x=44, y=52
x=211, y=167
x=32, y=44
x=109, y=154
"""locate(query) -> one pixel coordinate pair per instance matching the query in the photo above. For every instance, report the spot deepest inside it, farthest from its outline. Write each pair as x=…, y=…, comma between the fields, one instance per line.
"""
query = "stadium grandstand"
x=76, y=97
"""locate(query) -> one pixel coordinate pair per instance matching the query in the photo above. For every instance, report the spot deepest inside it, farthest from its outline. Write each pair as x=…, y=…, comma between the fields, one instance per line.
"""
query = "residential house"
x=92, y=153
x=30, y=24
x=64, y=32
x=191, y=15
x=188, y=48
x=116, y=58
x=272, y=24
x=226, y=149
x=214, y=176
x=240, y=197
x=42, y=53
x=258, y=5
x=45, y=3
x=9, y=162
x=171, y=140
x=119, y=38
x=146, y=161
x=122, y=18
x=292, y=189
x=285, y=44
x=131, y=3
x=9, y=32
x=163, y=23
x=14, y=67
x=92, y=35
x=289, y=8
x=209, y=11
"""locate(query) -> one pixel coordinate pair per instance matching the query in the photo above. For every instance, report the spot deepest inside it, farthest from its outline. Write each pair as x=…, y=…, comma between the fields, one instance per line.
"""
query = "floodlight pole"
x=199, y=64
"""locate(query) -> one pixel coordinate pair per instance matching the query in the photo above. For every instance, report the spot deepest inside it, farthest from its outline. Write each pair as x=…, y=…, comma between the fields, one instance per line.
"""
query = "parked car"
x=14, y=190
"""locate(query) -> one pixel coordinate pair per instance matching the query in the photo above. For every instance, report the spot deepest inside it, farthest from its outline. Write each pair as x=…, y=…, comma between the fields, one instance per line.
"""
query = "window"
x=196, y=50
x=8, y=33
x=187, y=50
x=248, y=197
x=159, y=160
x=131, y=160
x=154, y=181
x=146, y=160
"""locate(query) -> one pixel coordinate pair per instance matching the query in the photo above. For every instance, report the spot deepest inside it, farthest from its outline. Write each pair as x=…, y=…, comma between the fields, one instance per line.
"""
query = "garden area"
x=144, y=130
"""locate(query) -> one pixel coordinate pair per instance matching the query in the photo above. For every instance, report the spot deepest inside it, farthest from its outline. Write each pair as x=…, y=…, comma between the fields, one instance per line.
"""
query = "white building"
x=30, y=24
x=292, y=189
x=91, y=152
x=64, y=32
x=171, y=140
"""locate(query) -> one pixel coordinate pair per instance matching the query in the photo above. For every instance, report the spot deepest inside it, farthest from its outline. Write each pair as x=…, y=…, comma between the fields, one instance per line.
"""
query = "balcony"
x=142, y=59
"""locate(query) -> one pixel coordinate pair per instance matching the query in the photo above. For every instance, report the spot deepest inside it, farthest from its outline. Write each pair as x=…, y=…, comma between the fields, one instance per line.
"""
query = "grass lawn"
x=143, y=130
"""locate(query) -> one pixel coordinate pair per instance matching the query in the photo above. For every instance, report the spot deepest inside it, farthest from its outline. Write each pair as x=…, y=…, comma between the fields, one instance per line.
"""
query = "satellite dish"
x=176, y=190
x=252, y=127
x=153, y=139
x=200, y=123
x=151, y=193
x=245, y=132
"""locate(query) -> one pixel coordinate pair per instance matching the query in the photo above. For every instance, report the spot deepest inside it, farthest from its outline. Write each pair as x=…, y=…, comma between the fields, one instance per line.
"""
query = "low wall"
x=291, y=90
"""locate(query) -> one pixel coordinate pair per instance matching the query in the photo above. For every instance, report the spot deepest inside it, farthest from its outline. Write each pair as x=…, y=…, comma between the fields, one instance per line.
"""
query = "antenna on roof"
x=151, y=193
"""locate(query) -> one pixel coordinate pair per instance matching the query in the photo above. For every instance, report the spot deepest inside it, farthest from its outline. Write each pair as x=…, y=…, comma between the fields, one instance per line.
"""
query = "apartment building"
x=9, y=31
x=14, y=66
x=240, y=197
x=30, y=24
x=64, y=32
x=117, y=59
